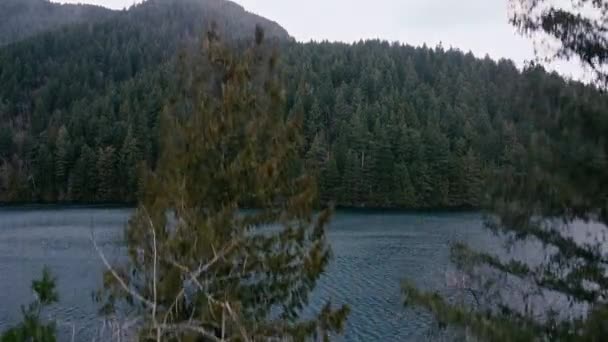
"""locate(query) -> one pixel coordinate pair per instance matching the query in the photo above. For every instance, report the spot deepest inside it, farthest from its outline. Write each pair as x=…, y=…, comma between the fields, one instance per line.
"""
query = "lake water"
x=373, y=252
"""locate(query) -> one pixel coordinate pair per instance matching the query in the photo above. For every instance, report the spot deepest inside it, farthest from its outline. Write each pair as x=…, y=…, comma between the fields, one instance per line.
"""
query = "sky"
x=479, y=26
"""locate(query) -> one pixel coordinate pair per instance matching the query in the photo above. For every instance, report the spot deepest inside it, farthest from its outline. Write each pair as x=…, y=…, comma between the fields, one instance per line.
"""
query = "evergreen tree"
x=317, y=155
x=129, y=164
x=423, y=183
x=33, y=328
x=350, y=180
x=313, y=123
x=436, y=154
x=200, y=267
x=62, y=149
x=331, y=182
x=551, y=180
x=44, y=175
x=473, y=180
x=106, y=174
x=578, y=26
x=405, y=194
x=90, y=174
x=383, y=171
x=78, y=180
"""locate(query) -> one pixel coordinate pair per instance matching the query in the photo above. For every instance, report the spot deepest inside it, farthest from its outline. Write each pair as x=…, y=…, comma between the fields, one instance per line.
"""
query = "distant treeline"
x=384, y=125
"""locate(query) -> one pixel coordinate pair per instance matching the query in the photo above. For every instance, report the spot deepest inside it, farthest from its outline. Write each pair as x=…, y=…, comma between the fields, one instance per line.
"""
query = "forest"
x=383, y=124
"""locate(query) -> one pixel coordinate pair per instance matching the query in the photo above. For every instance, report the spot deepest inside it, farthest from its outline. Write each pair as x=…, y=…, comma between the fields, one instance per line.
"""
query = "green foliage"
x=32, y=328
x=200, y=265
x=550, y=180
x=578, y=25
x=375, y=108
x=102, y=81
x=548, y=184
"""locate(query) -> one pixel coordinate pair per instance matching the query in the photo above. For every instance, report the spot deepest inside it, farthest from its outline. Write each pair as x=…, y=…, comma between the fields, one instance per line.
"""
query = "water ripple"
x=373, y=253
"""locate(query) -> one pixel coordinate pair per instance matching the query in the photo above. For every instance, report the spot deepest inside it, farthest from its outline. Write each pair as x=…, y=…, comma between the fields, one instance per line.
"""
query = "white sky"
x=480, y=26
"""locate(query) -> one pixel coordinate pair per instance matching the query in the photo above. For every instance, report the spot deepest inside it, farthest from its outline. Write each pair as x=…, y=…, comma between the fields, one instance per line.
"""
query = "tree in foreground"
x=201, y=266
x=570, y=28
x=539, y=202
x=33, y=328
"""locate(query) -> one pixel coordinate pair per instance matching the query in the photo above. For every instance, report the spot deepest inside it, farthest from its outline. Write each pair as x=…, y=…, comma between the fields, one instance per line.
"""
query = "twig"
x=116, y=276
x=237, y=322
x=154, y=267
x=190, y=327
x=223, y=323
x=194, y=275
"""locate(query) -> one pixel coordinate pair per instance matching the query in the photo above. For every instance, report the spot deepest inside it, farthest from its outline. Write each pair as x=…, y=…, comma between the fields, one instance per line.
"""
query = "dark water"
x=373, y=253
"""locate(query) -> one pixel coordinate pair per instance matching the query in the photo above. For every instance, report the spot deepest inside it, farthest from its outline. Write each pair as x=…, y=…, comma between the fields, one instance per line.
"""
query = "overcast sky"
x=480, y=26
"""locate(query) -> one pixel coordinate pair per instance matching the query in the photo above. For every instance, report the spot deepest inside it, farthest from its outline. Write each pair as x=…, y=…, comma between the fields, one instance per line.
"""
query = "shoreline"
x=132, y=205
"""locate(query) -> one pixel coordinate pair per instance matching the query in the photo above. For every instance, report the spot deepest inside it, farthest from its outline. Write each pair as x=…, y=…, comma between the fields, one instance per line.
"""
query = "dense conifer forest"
x=384, y=124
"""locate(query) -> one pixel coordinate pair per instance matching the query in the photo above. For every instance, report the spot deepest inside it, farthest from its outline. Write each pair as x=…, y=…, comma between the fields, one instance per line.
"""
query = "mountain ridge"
x=20, y=19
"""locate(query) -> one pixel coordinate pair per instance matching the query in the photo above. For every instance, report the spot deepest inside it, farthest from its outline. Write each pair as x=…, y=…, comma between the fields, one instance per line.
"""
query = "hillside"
x=20, y=19
x=385, y=125
x=82, y=60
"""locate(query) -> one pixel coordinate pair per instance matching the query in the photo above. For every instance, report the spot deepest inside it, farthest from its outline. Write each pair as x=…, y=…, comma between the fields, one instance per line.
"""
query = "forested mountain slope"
x=57, y=68
x=20, y=19
x=389, y=125
x=385, y=125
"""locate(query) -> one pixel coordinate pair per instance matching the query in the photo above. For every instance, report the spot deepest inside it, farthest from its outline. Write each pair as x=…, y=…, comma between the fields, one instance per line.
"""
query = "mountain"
x=85, y=59
x=20, y=19
x=385, y=125
x=56, y=71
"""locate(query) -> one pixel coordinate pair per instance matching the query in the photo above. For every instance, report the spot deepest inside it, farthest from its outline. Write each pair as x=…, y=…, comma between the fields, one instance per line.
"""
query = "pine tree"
x=313, y=123
x=77, y=181
x=331, y=182
x=62, y=147
x=316, y=157
x=350, y=180
x=436, y=147
x=199, y=266
x=383, y=170
x=129, y=164
x=578, y=25
x=405, y=194
x=473, y=180
x=33, y=327
x=44, y=171
x=90, y=174
x=551, y=180
x=342, y=108
x=106, y=174
x=457, y=174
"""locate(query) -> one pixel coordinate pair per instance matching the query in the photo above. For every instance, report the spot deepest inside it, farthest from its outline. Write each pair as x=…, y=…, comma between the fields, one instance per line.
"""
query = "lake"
x=373, y=251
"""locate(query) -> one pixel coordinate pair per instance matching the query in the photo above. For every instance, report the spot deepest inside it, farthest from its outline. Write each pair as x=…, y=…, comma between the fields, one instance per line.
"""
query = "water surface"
x=373, y=253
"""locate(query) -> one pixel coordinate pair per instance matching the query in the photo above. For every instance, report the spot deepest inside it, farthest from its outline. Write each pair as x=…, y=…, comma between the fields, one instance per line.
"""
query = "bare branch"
x=223, y=323
x=189, y=327
x=224, y=305
x=122, y=283
x=154, y=276
x=196, y=274
x=237, y=322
